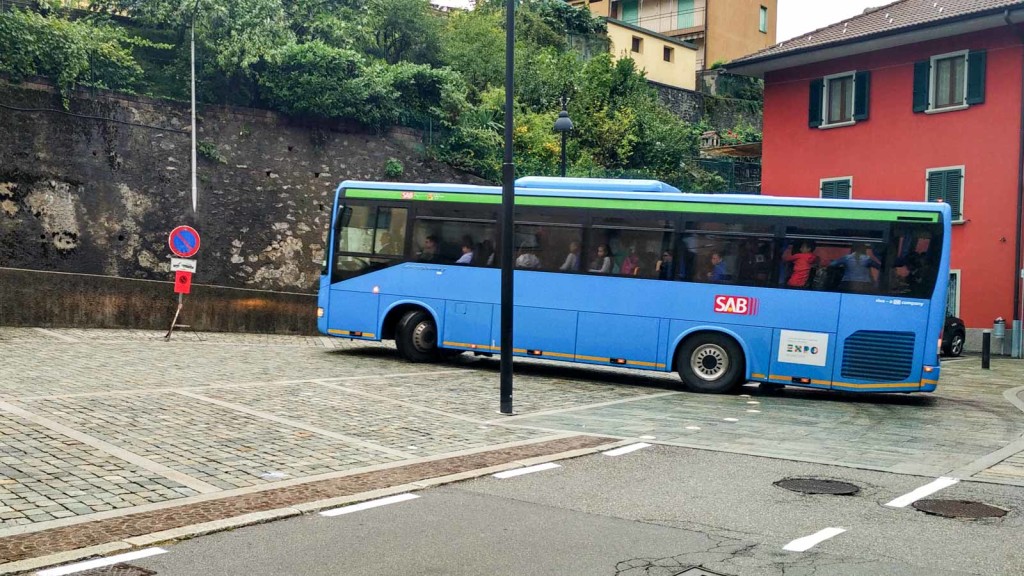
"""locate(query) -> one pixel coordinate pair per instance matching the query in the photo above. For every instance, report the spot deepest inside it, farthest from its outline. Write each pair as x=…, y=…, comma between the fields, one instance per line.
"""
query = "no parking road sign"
x=184, y=241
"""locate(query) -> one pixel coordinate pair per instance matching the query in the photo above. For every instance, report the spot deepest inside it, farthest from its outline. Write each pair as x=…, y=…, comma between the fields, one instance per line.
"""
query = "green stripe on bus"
x=652, y=205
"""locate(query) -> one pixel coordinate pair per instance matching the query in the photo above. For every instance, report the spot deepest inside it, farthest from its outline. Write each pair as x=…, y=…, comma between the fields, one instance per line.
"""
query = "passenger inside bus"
x=572, y=259
x=857, y=266
x=467, y=251
x=803, y=261
x=429, y=251
x=602, y=263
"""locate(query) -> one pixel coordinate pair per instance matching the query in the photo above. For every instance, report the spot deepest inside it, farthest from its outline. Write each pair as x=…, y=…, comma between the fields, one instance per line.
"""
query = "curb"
x=186, y=532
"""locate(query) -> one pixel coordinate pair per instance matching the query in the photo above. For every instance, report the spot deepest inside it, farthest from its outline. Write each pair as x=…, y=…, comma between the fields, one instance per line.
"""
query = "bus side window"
x=915, y=261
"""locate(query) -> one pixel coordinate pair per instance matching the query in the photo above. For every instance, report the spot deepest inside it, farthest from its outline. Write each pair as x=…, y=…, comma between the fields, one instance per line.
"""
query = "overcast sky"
x=798, y=17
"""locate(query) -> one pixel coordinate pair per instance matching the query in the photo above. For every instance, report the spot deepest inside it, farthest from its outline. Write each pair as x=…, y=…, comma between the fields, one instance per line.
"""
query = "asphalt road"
x=658, y=511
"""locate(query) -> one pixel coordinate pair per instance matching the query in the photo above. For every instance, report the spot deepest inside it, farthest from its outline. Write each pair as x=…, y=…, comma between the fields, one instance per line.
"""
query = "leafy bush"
x=393, y=168
x=70, y=53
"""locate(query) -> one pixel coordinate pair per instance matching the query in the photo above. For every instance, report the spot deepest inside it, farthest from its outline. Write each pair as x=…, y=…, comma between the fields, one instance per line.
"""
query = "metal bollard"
x=986, y=349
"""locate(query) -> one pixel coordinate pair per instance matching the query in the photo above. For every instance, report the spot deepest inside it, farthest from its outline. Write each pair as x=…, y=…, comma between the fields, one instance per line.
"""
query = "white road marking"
x=627, y=449
x=930, y=488
x=754, y=411
x=808, y=542
x=57, y=335
x=731, y=419
x=368, y=504
x=527, y=470
x=101, y=562
x=753, y=402
x=693, y=427
x=648, y=437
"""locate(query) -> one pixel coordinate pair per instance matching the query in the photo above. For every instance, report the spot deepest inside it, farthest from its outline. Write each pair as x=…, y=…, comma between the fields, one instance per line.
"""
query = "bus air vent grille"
x=879, y=356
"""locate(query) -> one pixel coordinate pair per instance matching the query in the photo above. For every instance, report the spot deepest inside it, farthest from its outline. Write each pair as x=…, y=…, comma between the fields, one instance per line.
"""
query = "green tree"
x=403, y=30
x=474, y=45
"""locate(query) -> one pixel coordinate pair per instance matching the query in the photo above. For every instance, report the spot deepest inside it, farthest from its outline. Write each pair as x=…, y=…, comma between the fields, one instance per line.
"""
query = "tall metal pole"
x=563, y=154
x=195, y=186
x=508, y=176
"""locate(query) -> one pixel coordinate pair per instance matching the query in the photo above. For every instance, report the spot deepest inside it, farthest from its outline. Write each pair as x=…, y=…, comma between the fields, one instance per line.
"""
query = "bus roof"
x=610, y=193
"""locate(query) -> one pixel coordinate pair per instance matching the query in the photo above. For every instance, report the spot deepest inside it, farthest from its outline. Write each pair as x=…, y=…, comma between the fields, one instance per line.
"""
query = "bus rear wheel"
x=710, y=363
x=416, y=337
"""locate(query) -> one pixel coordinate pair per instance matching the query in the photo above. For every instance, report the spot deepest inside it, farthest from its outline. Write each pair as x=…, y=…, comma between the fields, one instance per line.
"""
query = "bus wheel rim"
x=709, y=362
x=424, y=337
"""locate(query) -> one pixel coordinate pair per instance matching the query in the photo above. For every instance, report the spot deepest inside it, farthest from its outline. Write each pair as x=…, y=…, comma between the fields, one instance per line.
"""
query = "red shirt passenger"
x=803, y=262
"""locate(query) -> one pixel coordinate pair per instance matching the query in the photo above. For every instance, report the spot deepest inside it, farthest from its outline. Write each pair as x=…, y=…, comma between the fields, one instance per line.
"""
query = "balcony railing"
x=665, y=19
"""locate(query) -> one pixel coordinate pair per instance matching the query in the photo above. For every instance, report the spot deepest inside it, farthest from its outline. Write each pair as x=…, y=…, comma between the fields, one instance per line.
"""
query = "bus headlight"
x=319, y=312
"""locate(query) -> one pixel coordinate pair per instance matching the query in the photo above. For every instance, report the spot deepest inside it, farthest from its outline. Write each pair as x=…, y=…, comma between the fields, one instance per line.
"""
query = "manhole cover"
x=959, y=509
x=118, y=570
x=818, y=486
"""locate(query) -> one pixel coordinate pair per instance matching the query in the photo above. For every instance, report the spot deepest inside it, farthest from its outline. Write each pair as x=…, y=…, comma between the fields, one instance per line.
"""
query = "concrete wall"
x=97, y=191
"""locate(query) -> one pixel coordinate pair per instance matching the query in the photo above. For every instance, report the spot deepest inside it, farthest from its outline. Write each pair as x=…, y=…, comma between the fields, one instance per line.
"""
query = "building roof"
x=894, y=19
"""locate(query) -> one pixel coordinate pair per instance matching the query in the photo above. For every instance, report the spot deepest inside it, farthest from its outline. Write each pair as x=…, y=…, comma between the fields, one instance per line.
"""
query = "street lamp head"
x=563, y=124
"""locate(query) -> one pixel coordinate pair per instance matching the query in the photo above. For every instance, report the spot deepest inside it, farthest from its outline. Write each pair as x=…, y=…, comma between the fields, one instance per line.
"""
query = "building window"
x=953, y=294
x=667, y=54
x=638, y=45
x=836, y=188
x=840, y=99
x=947, y=185
x=763, y=24
x=949, y=82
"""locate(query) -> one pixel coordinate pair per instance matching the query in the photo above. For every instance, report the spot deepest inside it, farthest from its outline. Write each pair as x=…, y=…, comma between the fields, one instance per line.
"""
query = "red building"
x=916, y=100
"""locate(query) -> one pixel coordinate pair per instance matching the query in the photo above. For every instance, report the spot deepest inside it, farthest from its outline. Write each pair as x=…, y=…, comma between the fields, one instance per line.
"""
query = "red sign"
x=182, y=282
x=742, y=305
x=184, y=241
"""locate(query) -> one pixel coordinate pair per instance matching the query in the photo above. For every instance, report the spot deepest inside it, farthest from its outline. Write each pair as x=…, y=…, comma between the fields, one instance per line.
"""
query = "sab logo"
x=736, y=305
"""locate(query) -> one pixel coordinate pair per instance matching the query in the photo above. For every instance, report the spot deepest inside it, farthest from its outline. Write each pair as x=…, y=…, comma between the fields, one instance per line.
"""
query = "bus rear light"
x=617, y=360
x=801, y=380
x=929, y=369
x=319, y=312
x=376, y=289
x=534, y=352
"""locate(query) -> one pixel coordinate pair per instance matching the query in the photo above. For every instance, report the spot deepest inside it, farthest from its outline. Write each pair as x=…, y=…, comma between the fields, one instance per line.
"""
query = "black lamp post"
x=563, y=125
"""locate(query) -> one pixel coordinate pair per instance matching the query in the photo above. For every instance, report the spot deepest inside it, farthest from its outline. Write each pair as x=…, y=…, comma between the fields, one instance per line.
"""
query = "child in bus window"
x=717, y=273
x=602, y=263
x=631, y=263
x=803, y=262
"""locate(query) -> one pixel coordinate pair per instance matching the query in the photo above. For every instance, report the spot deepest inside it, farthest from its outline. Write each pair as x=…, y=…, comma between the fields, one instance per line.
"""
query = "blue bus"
x=723, y=289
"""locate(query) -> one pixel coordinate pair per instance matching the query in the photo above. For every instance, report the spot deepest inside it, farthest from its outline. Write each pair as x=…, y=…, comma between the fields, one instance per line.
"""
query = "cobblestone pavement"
x=97, y=424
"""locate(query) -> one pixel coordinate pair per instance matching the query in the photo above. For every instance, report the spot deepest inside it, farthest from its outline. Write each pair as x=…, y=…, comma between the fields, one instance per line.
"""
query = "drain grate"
x=959, y=509
x=818, y=486
x=118, y=570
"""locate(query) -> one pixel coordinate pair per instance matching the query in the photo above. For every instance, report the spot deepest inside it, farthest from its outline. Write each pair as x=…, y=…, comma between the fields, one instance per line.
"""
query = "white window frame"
x=931, y=82
x=824, y=101
x=959, y=289
x=821, y=184
x=963, y=187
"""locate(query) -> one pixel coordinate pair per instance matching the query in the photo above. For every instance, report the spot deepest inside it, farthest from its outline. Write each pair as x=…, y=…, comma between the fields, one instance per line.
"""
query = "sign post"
x=184, y=243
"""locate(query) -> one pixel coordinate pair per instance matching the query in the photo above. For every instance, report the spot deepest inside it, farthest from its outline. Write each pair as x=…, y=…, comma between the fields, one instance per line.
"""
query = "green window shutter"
x=861, y=95
x=814, y=106
x=976, y=64
x=922, y=74
x=630, y=11
x=842, y=189
x=828, y=190
x=936, y=186
x=954, y=192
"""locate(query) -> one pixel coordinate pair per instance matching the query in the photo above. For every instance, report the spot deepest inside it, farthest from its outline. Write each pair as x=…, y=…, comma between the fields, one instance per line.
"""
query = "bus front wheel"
x=710, y=363
x=416, y=337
